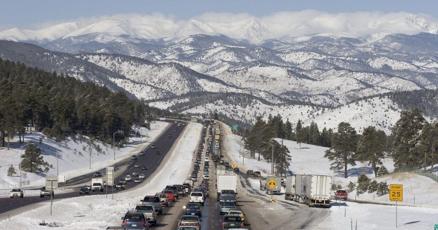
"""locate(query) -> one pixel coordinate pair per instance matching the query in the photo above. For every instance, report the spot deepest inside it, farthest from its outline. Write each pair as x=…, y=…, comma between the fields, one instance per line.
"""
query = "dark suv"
x=135, y=220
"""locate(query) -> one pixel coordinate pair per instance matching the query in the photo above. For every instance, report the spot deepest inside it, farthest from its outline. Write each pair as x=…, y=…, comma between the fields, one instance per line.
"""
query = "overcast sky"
x=29, y=13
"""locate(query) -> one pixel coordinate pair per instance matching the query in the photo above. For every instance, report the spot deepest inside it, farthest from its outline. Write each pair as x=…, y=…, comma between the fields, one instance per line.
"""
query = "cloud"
x=281, y=25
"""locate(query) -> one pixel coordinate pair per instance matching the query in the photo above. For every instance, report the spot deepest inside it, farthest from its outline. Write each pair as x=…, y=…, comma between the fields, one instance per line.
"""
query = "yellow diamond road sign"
x=396, y=192
x=271, y=184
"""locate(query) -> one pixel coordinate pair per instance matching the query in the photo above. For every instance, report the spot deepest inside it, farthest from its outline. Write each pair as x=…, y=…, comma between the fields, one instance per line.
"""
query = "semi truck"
x=290, y=192
x=313, y=190
x=226, y=180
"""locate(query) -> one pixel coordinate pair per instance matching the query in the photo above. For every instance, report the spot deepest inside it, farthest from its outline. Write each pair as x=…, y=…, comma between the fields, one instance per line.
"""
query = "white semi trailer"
x=290, y=191
x=313, y=190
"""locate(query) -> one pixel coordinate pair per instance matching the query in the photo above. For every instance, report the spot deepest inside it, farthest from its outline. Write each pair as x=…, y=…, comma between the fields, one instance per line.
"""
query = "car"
x=232, y=221
x=227, y=197
x=149, y=213
x=128, y=178
x=85, y=190
x=257, y=174
x=163, y=199
x=193, y=209
x=120, y=185
x=136, y=166
x=134, y=174
x=155, y=201
x=237, y=212
x=153, y=146
x=189, y=220
x=206, y=176
x=44, y=192
x=225, y=207
x=341, y=195
x=135, y=220
x=144, y=168
x=97, y=174
x=187, y=187
x=197, y=197
x=170, y=195
x=250, y=172
x=188, y=228
x=137, y=180
x=141, y=176
x=16, y=192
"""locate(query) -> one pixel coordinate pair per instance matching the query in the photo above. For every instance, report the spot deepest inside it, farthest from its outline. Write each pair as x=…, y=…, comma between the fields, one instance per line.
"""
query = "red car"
x=341, y=195
x=170, y=196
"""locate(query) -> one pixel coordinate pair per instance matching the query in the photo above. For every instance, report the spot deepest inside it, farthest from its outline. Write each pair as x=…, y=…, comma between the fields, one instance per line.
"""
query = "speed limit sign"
x=396, y=192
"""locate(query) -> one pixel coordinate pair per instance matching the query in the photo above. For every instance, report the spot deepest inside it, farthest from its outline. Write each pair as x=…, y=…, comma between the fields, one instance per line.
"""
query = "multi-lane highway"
x=150, y=158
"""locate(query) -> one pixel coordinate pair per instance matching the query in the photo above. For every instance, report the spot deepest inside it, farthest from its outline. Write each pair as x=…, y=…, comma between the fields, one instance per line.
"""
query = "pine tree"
x=407, y=133
x=371, y=147
x=11, y=171
x=342, y=152
x=429, y=143
x=33, y=161
x=288, y=130
x=300, y=135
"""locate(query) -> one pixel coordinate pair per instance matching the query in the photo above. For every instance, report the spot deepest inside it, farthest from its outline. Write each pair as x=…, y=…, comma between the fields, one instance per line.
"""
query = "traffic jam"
x=204, y=197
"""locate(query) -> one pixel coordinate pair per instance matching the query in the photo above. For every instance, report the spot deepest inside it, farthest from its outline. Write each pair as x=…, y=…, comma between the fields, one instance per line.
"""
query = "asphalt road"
x=149, y=158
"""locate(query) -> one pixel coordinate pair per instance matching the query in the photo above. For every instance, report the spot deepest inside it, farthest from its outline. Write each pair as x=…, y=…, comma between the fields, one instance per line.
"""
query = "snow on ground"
x=73, y=156
x=309, y=159
x=378, y=217
x=98, y=212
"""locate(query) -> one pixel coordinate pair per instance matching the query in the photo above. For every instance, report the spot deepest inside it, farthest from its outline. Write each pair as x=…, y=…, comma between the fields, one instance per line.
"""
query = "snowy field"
x=73, y=156
x=420, y=210
x=98, y=212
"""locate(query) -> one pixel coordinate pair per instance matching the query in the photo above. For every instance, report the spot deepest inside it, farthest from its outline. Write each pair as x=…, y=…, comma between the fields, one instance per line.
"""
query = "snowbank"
x=98, y=212
x=73, y=156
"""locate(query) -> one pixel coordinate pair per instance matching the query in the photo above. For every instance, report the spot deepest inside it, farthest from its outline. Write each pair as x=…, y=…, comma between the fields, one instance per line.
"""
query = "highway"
x=149, y=158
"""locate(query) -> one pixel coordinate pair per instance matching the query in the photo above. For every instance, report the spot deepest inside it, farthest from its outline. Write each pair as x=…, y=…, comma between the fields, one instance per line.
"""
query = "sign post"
x=51, y=185
x=396, y=194
x=110, y=180
x=271, y=185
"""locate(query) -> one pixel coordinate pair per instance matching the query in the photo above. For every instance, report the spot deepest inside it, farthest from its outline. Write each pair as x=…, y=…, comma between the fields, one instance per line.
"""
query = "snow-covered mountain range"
x=320, y=77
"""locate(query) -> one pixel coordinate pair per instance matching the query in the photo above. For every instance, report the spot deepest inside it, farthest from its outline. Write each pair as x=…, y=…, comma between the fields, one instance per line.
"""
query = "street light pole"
x=272, y=157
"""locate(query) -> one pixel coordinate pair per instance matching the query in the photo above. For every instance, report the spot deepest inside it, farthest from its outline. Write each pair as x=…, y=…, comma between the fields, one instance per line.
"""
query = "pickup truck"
x=154, y=201
x=16, y=192
x=149, y=213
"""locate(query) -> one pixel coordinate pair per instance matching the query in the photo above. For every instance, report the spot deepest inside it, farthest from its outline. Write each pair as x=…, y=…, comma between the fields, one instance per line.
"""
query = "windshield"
x=144, y=208
x=232, y=219
x=227, y=204
x=196, y=194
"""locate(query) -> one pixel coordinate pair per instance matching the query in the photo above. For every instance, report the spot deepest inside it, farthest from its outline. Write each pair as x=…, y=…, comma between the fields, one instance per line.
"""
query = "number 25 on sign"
x=396, y=192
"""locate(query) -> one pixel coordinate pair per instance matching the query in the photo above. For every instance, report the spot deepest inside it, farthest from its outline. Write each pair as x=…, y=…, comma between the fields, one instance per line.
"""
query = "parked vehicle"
x=149, y=213
x=135, y=220
x=313, y=190
x=341, y=195
x=16, y=192
x=232, y=221
x=197, y=197
x=155, y=201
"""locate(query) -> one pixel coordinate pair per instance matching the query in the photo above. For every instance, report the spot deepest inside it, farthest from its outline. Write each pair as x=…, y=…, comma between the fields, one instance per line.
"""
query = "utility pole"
x=57, y=165
x=272, y=158
x=89, y=147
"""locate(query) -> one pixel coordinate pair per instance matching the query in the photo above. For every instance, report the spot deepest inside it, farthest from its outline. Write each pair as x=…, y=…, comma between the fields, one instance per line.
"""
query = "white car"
x=128, y=178
x=141, y=176
x=197, y=197
x=205, y=176
x=16, y=192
